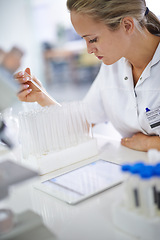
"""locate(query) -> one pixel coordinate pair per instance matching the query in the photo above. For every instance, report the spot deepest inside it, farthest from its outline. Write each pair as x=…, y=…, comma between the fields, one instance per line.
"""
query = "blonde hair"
x=111, y=12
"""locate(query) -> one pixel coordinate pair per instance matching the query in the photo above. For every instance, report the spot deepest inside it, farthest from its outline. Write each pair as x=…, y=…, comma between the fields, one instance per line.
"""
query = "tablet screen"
x=84, y=182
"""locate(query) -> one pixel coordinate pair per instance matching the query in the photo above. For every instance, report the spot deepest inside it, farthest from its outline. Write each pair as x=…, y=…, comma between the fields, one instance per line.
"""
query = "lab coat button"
x=126, y=78
x=140, y=78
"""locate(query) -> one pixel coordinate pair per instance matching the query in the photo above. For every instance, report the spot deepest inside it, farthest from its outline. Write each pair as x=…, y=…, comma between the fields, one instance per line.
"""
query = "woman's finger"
x=22, y=95
x=24, y=76
x=23, y=87
x=18, y=75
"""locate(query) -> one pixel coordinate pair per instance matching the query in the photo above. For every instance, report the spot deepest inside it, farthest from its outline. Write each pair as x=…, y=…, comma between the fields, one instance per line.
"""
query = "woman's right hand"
x=29, y=92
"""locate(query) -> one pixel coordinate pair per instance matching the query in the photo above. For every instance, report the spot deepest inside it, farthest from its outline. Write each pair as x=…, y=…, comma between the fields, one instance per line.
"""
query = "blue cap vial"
x=147, y=172
x=157, y=171
x=137, y=167
x=126, y=167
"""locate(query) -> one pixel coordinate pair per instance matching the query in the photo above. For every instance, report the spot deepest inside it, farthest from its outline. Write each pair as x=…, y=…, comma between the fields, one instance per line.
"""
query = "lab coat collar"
x=156, y=56
x=146, y=72
x=127, y=73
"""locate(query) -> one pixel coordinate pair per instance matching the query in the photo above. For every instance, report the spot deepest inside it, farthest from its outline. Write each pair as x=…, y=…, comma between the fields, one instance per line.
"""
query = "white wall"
x=27, y=23
x=154, y=6
x=47, y=14
x=16, y=28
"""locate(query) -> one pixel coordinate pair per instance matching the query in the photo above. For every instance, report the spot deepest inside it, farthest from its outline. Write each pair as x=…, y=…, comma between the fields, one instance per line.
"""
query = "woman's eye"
x=93, y=40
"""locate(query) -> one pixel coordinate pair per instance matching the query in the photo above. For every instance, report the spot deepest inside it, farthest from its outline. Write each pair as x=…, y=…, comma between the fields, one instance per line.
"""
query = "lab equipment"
x=11, y=174
x=26, y=225
x=8, y=93
x=144, y=223
x=53, y=137
x=133, y=183
x=147, y=192
x=4, y=136
x=157, y=188
x=84, y=182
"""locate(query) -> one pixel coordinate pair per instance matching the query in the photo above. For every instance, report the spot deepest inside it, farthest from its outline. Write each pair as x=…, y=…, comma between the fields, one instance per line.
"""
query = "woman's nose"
x=91, y=49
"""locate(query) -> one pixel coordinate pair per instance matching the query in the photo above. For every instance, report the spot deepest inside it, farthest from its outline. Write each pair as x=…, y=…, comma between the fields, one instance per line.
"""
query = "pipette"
x=42, y=90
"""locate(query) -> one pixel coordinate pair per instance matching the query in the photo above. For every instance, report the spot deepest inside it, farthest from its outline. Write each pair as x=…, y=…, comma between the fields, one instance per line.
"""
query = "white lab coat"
x=113, y=97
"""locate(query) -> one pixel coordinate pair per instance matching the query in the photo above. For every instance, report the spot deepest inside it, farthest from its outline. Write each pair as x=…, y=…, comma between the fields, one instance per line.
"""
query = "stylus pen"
x=42, y=90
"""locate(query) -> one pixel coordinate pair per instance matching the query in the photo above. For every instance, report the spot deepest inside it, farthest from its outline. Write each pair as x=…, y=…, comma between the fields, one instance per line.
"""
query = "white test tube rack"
x=55, y=137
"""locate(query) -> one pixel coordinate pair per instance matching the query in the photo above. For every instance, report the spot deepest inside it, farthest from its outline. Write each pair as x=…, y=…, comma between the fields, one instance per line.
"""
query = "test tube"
x=53, y=128
x=26, y=139
x=88, y=119
x=78, y=122
x=134, y=188
x=31, y=130
x=127, y=196
x=147, y=197
x=64, y=116
x=72, y=122
x=50, y=130
x=56, y=140
x=37, y=138
x=67, y=135
x=157, y=187
x=83, y=121
x=34, y=136
x=21, y=135
x=60, y=128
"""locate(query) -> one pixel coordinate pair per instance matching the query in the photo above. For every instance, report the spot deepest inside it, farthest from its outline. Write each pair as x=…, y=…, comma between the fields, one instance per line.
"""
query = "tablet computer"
x=83, y=182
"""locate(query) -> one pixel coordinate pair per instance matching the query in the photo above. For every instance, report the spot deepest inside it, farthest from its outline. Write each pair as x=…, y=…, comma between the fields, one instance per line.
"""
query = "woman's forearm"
x=142, y=142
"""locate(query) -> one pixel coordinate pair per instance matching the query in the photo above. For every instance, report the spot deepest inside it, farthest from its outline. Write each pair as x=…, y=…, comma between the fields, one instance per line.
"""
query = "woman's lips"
x=99, y=57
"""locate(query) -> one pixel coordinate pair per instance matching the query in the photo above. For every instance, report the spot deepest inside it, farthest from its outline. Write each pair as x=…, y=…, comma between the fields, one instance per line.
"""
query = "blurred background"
x=38, y=34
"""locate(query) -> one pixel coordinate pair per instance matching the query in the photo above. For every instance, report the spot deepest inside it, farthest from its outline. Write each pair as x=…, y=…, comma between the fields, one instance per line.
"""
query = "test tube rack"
x=55, y=137
x=135, y=224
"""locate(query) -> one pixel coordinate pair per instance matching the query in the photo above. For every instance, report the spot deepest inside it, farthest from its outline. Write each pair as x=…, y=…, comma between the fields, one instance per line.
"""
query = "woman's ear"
x=128, y=25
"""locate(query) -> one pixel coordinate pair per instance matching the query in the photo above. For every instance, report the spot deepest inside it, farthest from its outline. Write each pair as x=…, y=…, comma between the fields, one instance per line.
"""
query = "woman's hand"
x=142, y=142
x=29, y=92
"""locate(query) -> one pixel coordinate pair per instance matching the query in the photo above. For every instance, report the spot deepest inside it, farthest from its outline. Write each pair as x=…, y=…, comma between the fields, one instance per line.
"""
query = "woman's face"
x=108, y=46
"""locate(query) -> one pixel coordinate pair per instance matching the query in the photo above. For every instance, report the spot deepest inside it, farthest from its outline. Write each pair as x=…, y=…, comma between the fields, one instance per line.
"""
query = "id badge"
x=153, y=117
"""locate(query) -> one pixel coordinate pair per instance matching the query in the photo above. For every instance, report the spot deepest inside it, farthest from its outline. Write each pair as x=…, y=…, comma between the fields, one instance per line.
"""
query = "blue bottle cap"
x=125, y=167
x=157, y=171
x=147, y=172
x=158, y=165
x=149, y=167
x=139, y=165
x=136, y=168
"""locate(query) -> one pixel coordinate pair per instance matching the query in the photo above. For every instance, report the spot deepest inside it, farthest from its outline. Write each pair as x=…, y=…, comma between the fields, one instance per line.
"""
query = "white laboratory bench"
x=88, y=220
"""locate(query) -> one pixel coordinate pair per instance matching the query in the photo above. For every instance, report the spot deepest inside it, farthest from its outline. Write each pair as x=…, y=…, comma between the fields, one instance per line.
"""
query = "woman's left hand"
x=141, y=142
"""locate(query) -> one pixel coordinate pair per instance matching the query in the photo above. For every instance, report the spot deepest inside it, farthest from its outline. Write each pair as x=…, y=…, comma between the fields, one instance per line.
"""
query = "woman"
x=125, y=36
